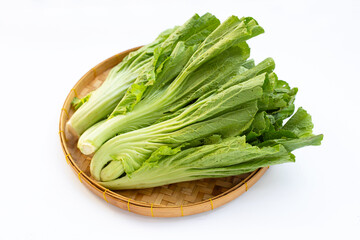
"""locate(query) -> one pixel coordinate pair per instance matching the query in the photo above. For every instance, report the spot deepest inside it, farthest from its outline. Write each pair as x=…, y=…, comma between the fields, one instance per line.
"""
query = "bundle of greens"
x=196, y=108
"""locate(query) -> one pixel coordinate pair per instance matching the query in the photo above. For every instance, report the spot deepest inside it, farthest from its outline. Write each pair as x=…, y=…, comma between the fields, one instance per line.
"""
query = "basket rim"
x=118, y=197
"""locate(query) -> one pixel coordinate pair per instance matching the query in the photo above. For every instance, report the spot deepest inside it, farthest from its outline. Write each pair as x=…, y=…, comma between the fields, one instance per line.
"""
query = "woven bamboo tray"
x=172, y=200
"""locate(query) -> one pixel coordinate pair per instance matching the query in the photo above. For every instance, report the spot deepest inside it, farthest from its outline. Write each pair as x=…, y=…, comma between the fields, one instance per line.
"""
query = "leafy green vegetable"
x=217, y=59
x=231, y=157
x=190, y=105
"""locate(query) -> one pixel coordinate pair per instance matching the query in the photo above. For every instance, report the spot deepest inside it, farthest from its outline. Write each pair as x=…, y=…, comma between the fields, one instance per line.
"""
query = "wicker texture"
x=172, y=200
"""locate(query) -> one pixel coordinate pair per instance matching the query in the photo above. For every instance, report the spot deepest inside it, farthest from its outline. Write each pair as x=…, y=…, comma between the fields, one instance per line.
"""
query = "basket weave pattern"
x=172, y=200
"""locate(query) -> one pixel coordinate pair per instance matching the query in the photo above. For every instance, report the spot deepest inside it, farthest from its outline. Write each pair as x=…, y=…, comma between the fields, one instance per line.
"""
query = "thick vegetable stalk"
x=137, y=66
x=227, y=113
x=222, y=52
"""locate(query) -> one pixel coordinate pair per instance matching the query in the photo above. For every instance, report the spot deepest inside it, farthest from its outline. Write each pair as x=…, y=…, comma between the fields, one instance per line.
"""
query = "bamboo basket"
x=174, y=200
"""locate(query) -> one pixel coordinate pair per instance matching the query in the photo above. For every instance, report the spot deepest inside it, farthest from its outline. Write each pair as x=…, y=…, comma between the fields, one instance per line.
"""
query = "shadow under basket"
x=174, y=200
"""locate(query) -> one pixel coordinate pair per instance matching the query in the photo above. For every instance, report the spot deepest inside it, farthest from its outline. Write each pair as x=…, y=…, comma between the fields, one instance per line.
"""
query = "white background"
x=45, y=47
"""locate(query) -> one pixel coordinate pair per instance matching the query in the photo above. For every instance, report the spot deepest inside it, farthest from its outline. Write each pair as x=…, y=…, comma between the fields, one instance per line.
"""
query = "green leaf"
x=170, y=57
x=78, y=102
x=300, y=124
